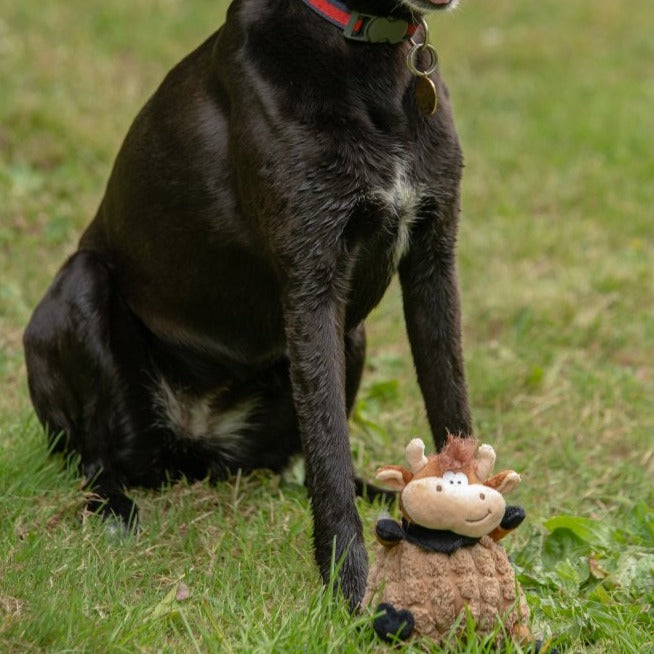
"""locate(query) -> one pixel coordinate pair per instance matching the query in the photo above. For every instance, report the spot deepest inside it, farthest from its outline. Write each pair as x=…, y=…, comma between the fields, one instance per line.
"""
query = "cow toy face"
x=451, y=490
x=452, y=502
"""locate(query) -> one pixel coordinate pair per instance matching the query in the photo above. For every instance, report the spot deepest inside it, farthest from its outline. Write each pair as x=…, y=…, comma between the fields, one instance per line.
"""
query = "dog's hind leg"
x=88, y=368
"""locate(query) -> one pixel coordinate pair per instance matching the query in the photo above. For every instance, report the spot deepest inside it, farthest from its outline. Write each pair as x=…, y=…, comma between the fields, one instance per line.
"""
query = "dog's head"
x=422, y=6
x=406, y=7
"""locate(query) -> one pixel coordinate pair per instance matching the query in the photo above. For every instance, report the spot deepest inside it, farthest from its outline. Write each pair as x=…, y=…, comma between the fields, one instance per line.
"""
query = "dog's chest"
x=384, y=227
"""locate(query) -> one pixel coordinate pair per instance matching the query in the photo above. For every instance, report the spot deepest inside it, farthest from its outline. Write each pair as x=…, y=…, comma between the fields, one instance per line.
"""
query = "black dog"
x=212, y=318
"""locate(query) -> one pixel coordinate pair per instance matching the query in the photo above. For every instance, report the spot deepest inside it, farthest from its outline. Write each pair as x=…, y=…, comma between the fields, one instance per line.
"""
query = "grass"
x=553, y=103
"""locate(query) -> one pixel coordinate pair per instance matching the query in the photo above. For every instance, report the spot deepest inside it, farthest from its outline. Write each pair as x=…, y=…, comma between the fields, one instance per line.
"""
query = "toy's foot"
x=543, y=648
x=393, y=625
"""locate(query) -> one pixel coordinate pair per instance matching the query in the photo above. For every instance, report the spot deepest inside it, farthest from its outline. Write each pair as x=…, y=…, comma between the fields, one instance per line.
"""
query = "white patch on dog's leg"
x=194, y=418
x=229, y=427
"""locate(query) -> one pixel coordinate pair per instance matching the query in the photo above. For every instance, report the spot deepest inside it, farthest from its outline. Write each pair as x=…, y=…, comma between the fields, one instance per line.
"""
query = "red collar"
x=363, y=27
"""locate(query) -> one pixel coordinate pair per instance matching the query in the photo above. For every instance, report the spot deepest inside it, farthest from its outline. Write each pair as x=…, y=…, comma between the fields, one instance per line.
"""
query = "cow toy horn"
x=485, y=461
x=415, y=455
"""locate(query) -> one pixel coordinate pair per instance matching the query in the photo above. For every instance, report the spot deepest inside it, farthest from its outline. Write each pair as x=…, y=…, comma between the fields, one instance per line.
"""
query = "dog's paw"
x=372, y=493
x=345, y=572
x=352, y=575
x=392, y=625
x=118, y=512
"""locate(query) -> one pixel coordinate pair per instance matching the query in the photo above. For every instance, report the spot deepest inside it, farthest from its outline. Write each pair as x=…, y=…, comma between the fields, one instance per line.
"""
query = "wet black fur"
x=238, y=250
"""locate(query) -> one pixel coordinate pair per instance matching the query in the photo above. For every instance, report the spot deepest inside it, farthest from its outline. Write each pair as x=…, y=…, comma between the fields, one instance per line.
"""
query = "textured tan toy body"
x=444, y=560
x=437, y=587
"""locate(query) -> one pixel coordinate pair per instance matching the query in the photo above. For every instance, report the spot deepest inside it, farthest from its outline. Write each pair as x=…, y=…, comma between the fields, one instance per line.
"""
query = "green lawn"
x=555, y=107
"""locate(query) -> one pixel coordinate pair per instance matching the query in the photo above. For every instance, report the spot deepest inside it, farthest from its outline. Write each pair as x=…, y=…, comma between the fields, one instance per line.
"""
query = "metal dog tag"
x=426, y=96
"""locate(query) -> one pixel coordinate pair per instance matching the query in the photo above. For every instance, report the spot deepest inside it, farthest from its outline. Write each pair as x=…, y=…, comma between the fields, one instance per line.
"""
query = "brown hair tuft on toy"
x=457, y=453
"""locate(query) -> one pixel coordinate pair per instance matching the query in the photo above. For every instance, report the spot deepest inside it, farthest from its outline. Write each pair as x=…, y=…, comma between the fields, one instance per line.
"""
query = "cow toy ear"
x=393, y=477
x=504, y=482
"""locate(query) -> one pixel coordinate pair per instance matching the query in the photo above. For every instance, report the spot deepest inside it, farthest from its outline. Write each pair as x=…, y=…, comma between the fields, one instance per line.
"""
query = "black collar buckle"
x=376, y=29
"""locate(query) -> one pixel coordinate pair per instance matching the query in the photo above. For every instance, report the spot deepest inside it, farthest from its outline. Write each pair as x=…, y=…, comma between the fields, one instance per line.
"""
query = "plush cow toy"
x=444, y=559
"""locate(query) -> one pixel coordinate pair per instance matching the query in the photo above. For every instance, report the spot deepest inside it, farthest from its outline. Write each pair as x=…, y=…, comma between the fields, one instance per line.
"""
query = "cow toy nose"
x=482, y=496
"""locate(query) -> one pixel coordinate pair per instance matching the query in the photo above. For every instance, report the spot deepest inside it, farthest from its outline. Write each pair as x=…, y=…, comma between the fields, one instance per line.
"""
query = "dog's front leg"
x=432, y=313
x=315, y=340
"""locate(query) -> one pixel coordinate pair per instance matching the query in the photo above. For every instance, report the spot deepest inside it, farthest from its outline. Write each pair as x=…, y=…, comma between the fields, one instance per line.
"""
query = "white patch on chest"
x=402, y=198
x=196, y=418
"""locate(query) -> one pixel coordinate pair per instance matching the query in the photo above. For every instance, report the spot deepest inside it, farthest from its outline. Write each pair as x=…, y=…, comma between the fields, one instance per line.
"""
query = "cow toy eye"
x=455, y=478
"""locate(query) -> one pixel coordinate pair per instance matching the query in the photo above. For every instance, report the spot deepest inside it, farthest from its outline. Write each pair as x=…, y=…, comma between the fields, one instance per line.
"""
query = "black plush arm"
x=513, y=517
x=389, y=532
